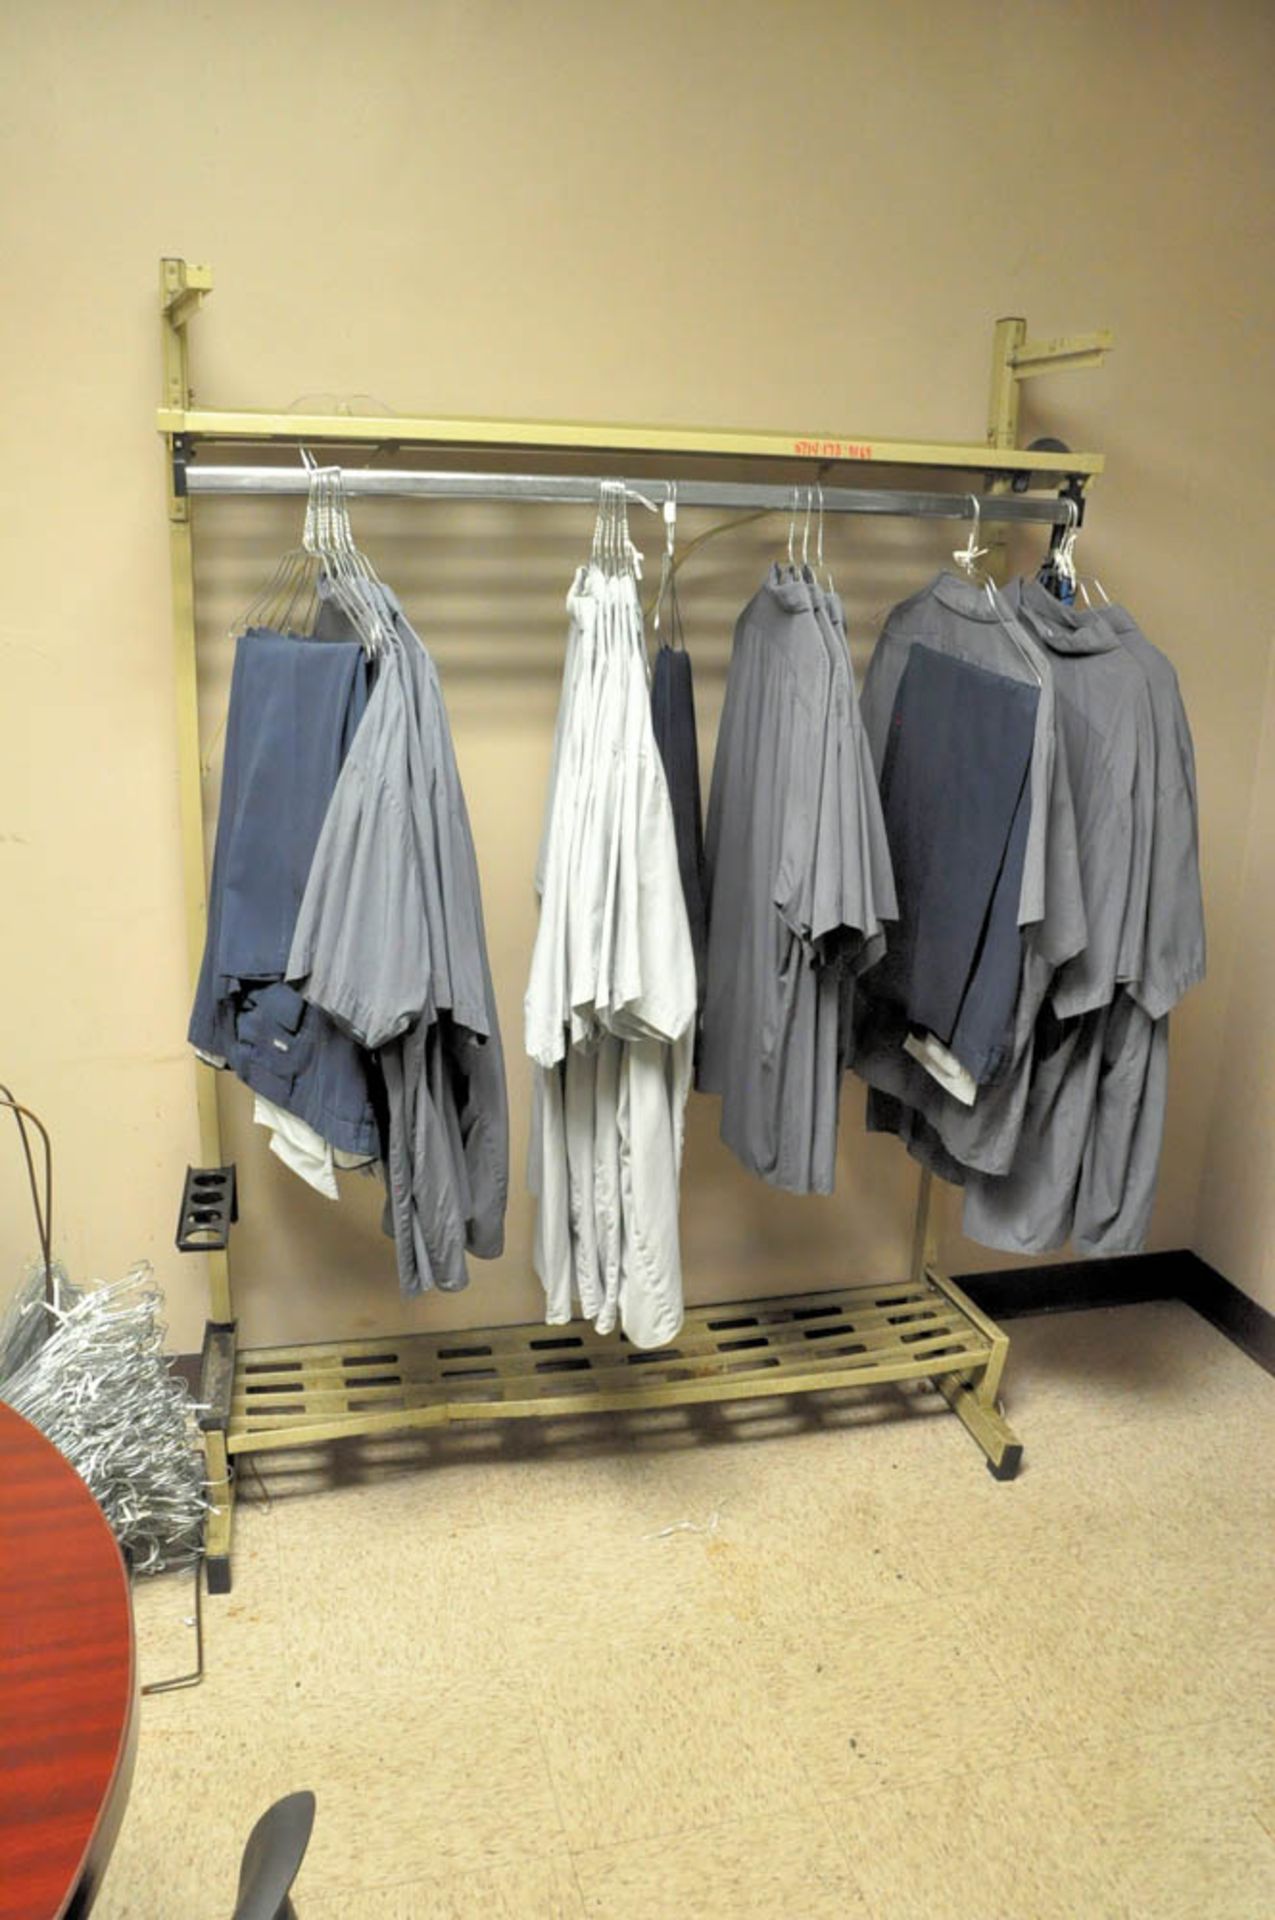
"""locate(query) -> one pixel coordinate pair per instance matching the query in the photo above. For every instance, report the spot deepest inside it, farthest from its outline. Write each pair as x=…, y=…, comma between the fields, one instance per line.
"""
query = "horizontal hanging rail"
x=576, y=490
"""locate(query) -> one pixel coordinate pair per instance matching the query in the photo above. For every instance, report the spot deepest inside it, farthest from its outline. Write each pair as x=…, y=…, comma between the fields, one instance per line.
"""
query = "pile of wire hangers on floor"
x=86, y=1365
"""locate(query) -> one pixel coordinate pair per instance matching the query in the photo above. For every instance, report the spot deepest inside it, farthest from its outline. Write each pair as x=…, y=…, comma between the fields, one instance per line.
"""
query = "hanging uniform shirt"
x=1121, y=1163
x=1110, y=743
x=958, y=619
x=791, y=893
x=954, y=790
x=295, y=707
x=1119, y=1170
x=1174, y=942
x=610, y=1002
x=673, y=721
x=390, y=943
x=856, y=846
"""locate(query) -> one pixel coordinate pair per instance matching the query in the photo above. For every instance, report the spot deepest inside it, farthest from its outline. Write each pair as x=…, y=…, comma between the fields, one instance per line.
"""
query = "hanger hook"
x=968, y=556
x=820, y=562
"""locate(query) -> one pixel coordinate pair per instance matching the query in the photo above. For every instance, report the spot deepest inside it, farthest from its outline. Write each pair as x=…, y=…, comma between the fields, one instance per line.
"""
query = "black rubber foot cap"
x=1007, y=1469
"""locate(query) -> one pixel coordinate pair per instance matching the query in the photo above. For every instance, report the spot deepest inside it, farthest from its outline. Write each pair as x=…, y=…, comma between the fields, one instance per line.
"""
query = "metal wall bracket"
x=1065, y=353
x=183, y=289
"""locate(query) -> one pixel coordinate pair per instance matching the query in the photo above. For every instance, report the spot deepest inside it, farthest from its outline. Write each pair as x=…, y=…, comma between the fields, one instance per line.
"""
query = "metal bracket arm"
x=1063, y=354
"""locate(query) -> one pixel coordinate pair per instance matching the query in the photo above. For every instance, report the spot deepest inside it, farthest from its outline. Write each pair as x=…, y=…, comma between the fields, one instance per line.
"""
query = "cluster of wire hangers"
x=613, y=550
x=327, y=564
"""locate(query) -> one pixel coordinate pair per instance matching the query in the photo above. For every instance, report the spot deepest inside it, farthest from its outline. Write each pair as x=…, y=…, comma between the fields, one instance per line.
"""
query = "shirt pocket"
x=276, y=1039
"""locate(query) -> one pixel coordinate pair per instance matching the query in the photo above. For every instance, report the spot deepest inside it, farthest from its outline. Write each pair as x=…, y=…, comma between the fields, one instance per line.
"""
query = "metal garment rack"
x=922, y=1327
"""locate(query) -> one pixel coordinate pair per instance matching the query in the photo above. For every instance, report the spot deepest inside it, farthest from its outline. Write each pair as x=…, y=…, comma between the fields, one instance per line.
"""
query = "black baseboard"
x=1225, y=1307
x=1179, y=1275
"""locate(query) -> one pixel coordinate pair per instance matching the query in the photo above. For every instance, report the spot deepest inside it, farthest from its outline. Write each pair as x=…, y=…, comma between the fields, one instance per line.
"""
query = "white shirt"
x=610, y=1002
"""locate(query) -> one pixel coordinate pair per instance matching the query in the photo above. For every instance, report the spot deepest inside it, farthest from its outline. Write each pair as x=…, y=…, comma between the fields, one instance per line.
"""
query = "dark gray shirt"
x=954, y=789
x=960, y=619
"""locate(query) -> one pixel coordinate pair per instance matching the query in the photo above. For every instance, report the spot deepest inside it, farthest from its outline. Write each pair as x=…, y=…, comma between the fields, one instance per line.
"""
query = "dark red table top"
x=67, y=1683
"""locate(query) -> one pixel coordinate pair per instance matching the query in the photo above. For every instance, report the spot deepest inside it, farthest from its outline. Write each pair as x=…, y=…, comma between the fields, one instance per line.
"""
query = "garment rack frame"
x=923, y=1327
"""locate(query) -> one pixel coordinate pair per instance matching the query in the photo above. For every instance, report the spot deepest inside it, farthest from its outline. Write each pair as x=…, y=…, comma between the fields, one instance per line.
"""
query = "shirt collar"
x=1061, y=628
x=791, y=592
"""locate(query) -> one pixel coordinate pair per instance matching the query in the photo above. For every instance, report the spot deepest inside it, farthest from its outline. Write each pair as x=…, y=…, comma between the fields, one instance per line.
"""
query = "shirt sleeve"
x=880, y=689
x=1133, y=958
x=1174, y=952
x=361, y=948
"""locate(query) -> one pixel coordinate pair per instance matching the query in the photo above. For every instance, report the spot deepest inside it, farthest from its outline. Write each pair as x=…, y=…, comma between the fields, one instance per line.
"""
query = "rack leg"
x=925, y=1246
x=985, y=1421
x=975, y=1398
x=216, y=1387
x=217, y=1529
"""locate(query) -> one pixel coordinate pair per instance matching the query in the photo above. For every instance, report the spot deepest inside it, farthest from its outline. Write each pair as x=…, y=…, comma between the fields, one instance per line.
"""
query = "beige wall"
x=799, y=216
x=1236, y=1223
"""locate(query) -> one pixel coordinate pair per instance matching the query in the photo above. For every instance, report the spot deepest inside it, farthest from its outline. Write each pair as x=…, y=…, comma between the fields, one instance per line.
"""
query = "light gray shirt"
x=390, y=942
x=799, y=885
x=1173, y=950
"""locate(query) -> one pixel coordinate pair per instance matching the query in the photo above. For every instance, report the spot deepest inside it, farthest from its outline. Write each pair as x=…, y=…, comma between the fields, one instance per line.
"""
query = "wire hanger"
x=299, y=565
x=820, y=564
x=1067, y=562
x=792, y=528
x=668, y=571
x=614, y=550
x=968, y=556
x=352, y=580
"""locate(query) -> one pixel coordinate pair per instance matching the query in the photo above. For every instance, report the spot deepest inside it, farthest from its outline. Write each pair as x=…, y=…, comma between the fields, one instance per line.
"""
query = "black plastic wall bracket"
x=210, y=1207
x=183, y=454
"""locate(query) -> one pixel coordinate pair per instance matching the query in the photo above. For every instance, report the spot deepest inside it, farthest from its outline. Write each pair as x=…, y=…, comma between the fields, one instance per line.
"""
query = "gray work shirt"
x=795, y=864
x=390, y=942
x=958, y=618
x=1111, y=746
x=954, y=788
x=955, y=617
x=1173, y=946
x=861, y=849
x=1116, y=1190
x=1121, y=1163
x=1117, y=1184
x=1110, y=739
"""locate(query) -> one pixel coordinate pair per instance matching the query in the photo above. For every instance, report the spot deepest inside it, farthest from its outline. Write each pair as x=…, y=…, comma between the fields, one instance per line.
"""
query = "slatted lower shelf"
x=856, y=1336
